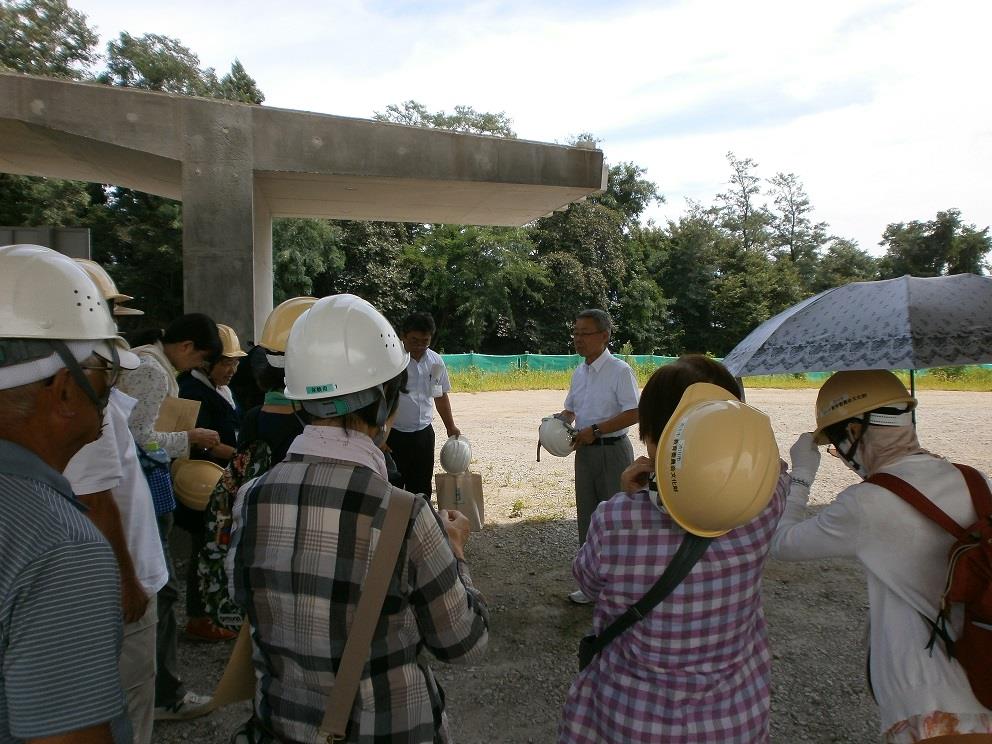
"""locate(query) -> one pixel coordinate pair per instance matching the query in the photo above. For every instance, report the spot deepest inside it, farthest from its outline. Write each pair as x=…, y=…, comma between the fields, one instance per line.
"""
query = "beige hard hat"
x=102, y=280
x=275, y=333
x=194, y=481
x=717, y=462
x=108, y=288
x=850, y=394
x=124, y=310
x=229, y=341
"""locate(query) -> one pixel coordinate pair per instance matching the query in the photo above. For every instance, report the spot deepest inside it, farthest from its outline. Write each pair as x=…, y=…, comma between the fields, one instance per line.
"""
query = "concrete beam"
x=235, y=166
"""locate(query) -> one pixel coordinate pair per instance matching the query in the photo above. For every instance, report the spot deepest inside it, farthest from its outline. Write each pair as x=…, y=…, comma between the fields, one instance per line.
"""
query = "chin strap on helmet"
x=849, y=454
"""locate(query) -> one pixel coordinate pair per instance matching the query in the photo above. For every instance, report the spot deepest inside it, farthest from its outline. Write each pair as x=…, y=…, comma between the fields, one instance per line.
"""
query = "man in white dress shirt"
x=601, y=403
x=411, y=440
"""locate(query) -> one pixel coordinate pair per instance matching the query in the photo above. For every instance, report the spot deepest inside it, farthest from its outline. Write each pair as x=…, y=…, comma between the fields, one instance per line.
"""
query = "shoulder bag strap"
x=356, y=648
x=688, y=554
x=918, y=501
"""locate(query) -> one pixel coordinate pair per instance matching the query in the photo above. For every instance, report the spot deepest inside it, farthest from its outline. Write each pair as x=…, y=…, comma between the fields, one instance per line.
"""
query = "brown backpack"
x=969, y=577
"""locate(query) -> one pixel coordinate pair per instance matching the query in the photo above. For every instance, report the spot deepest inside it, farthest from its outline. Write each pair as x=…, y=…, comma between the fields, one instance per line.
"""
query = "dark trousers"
x=413, y=452
x=168, y=686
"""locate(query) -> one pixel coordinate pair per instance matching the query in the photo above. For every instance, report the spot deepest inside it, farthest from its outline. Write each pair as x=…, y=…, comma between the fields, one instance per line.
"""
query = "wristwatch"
x=595, y=431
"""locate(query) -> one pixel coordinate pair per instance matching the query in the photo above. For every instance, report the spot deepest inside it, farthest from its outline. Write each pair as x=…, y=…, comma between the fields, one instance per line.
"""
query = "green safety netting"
x=497, y=363
x=542, y=362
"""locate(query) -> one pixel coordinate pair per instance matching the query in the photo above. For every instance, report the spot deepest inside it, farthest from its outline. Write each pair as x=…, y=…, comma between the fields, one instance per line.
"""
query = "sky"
x=880, y=107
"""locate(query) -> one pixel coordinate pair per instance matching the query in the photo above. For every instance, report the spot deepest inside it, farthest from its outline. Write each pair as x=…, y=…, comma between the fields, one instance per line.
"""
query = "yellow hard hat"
x=717, y=462
x=229, y=341
x=849, y=394
x=194, y=481
x=102, y=280
x=275, y=334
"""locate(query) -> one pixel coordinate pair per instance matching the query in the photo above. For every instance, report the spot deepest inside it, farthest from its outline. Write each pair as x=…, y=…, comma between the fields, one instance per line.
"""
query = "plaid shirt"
x=302, y=549
x=697, y=668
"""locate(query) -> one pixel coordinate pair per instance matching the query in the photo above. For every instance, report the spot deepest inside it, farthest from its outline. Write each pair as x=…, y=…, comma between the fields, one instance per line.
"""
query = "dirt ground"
x=521, y=560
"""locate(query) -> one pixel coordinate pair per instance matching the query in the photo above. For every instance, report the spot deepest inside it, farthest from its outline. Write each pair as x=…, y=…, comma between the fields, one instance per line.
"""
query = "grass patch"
x=473, y=380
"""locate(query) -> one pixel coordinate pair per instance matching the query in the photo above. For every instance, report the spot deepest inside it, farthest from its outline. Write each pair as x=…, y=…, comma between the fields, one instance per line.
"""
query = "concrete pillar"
x=218, y=230
x=263, y=262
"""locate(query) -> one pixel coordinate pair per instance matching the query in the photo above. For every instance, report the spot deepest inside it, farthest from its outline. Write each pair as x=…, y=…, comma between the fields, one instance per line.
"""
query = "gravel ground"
x=816, y=611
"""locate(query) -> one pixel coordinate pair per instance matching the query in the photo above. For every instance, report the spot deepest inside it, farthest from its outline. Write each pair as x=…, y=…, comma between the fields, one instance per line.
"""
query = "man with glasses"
x=411, y=439
x=601, y=403
x=60, y=611
x=107, y=478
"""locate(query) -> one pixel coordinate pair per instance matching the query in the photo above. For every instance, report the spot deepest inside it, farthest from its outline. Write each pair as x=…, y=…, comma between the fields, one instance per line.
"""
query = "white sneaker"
x=578, y=597
x=191, y=706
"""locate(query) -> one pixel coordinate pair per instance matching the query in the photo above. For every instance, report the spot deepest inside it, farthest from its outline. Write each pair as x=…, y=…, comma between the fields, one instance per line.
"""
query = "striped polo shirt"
x=60, y=612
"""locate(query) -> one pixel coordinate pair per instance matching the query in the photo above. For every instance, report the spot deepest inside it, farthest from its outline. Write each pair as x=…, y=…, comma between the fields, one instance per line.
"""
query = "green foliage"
x=464, y=119
x=476, y=281
x=156, y=62
x=738, y=209
x=935, y=247
x=46, y=37
x=25, y=200
x=843, y=262
x=238, y=85
x=303, y=249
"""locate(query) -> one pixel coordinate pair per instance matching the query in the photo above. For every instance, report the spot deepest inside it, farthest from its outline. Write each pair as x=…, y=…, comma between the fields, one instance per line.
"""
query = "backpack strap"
x=918, y=501
x=981, y=497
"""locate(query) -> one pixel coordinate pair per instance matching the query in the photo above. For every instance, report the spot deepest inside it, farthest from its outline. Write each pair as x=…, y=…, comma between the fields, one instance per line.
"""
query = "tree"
x=933, y=248
x=156, y=62
x=792, y=230
x=628, y=193
x=465, y=119
x=26, y=200
x=841, y=263
x=477, y=282
x=238, y=85
x=738, y=210
x=303, y=249
x=373, y=268
x=46, y=37
x=137, y=237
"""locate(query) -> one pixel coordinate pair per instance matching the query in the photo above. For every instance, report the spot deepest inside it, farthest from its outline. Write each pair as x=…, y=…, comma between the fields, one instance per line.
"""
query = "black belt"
x=607, y=441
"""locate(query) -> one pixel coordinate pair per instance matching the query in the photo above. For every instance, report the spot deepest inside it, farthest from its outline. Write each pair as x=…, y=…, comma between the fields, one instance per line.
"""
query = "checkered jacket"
x=306, y=532
x=697, y=667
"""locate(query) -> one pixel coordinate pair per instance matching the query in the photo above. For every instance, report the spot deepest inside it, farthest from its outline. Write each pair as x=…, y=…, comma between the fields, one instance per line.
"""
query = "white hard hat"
x=555, y=436
x=456, y=455
x=49, y=298
x=340, y=347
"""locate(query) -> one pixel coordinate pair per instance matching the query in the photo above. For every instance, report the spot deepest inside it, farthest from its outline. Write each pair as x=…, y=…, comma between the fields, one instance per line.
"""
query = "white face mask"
x=857, y=466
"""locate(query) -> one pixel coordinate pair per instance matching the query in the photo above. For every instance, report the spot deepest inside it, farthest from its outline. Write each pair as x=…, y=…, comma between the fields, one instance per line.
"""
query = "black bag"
x=688, y=554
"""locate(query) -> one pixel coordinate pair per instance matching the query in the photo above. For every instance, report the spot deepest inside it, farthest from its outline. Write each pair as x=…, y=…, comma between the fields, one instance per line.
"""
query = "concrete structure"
x=72, y=241
x=236, y=166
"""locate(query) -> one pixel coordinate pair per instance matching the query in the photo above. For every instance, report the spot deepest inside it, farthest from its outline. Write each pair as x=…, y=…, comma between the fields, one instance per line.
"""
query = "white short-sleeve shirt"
x=111, y=464
x=602, y=390
x=426, y=380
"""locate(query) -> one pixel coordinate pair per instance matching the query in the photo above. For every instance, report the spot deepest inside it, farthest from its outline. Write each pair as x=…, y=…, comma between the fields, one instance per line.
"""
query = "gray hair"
x=600, y=317
x=19, y=403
